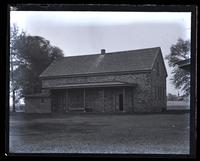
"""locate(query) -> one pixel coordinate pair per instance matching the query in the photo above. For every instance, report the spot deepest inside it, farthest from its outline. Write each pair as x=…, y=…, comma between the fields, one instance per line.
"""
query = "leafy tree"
x=32, y=54
x=14, y=35
x=180, y=78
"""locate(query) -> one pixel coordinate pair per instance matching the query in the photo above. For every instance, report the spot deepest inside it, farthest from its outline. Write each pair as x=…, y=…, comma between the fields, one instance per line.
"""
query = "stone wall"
x=130, y=78
x=158, y=85
x=38, y=105
x=142, y=94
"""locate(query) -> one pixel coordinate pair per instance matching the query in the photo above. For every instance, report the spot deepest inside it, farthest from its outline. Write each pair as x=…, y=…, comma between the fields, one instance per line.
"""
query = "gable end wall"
x=158, y=85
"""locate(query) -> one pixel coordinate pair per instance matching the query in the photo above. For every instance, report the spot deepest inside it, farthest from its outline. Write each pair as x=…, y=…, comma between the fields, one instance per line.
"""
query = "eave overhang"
x=93, y=85
x=96, y=74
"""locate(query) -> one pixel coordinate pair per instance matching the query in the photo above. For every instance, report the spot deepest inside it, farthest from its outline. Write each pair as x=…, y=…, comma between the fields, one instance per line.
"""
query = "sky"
x=84, y=33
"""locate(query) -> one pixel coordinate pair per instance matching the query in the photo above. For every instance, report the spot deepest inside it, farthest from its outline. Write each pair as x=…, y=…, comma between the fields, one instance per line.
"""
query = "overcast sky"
x=81, y=33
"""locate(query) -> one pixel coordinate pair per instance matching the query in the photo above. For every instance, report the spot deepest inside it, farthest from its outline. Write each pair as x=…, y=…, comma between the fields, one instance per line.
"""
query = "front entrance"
x=120, y=102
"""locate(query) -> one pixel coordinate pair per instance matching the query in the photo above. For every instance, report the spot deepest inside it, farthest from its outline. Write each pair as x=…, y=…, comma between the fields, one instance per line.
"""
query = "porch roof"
x=92, y=85
x=37, y=95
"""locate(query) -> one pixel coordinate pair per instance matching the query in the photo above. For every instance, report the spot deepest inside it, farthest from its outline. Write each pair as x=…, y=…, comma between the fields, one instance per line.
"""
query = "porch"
x=93, y=97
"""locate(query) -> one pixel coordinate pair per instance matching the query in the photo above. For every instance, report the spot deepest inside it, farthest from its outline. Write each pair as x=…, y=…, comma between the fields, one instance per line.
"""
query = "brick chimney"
x=103, y=51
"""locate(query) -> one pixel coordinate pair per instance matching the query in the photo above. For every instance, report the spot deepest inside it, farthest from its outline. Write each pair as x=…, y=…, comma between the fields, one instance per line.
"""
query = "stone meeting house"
x=124, y=81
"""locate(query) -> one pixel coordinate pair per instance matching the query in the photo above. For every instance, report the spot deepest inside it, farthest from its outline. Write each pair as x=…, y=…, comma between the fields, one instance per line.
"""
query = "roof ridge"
x=132, y=50
x=80, y=55
x=114, y=52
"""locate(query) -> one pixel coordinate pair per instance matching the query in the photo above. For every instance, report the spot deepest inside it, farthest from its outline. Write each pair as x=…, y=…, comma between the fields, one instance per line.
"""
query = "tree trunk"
x=13, y=90
x=14, y=109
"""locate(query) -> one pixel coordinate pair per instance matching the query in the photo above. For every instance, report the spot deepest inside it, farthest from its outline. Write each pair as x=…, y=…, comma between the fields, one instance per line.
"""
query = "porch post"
x=133, y=99
x=103, y=101
x=51, y=99
x=84, y=98
x=66, y=101
x=114, y=95
x=124, y=97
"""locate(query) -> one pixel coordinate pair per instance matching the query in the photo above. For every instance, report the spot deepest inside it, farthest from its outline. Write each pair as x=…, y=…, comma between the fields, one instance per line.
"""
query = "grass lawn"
x=100, y=133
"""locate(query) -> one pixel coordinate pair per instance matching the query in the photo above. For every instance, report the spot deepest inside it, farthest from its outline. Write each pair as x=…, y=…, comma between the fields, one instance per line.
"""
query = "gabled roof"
x=122, y=61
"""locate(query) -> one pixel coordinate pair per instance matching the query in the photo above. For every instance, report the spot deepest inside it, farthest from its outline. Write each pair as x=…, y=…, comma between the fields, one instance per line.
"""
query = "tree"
x=180, y=78
x=32, y=55
x=14, y=35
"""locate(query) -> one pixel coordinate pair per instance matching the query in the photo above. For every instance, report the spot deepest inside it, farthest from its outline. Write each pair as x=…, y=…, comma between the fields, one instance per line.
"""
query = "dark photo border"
x=106, y=7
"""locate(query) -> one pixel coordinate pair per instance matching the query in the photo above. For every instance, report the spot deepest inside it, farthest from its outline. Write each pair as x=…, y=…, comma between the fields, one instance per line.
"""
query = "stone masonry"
x=140, y=97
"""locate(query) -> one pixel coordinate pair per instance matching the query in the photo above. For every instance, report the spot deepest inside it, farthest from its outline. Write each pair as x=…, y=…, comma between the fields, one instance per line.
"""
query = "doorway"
x=120, y=102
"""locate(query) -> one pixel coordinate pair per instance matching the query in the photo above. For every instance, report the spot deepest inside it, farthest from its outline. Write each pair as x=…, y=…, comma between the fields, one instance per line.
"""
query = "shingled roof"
x=122, y=61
